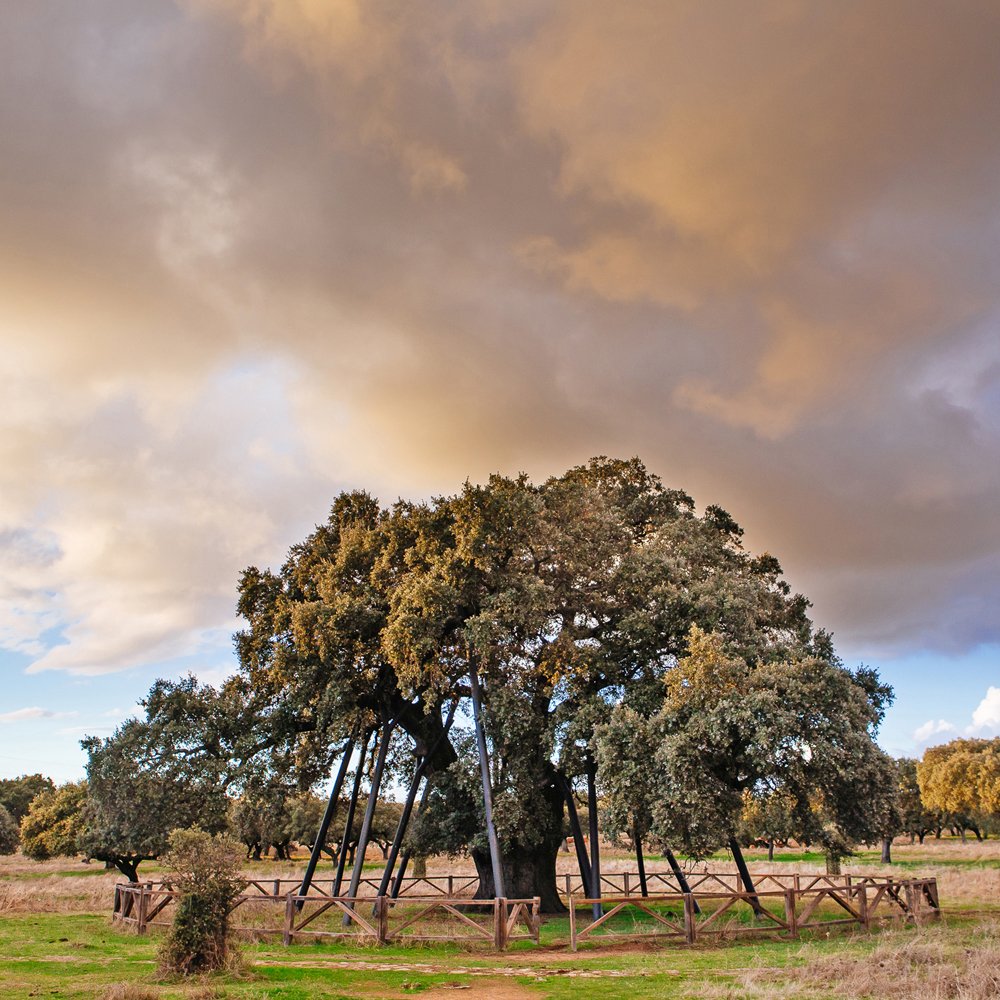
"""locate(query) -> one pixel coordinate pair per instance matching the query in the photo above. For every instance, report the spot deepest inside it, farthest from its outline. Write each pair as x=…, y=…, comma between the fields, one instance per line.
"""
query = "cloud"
x=257, y=251
x=23, y=714
x=986, y=717
x=930, y=731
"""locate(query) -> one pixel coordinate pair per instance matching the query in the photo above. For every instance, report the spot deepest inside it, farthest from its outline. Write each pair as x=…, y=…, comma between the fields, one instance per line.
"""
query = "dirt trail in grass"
x=486, y=971
x=497, y=990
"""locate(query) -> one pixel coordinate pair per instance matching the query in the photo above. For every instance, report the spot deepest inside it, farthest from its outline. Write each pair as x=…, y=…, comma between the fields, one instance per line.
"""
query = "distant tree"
x=767, y=818
x=304, y=815
x=262, y=821
x=52, y=825
x=10, y=835
x=962, y=779
x=917, y=819
x=139, y=789
x=16, y=793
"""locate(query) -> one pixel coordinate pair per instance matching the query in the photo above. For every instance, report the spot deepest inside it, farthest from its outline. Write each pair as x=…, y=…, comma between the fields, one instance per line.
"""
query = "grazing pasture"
x=57, y=940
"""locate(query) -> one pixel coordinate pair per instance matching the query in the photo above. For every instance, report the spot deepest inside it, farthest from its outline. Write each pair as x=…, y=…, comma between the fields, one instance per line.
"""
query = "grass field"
x=56, y=940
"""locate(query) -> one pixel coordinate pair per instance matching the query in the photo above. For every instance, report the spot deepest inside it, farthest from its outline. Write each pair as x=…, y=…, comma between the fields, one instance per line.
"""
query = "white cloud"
x=925, y=734
x=21, y=714
x=986, y=717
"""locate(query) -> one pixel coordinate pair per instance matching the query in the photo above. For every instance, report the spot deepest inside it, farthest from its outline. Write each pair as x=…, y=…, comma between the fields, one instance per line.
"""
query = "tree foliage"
x=141, y=784
x=568, y=597
x=962, y=777
x=52, y=825
x=16, y=793
x=729, y=731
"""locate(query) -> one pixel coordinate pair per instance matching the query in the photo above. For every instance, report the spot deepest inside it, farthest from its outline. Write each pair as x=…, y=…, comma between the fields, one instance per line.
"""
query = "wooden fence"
x=689, y=916
x=717, y=906
x=366, y=919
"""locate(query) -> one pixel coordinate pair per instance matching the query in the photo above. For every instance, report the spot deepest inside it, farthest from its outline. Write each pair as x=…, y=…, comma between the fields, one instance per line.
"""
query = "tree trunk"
x=770, y=849
x=887, y=850
x=129, y=867
x=526, y=873
x=530, y=869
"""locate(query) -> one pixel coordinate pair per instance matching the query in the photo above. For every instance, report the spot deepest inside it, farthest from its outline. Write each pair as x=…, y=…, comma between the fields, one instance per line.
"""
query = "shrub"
x=205, y=872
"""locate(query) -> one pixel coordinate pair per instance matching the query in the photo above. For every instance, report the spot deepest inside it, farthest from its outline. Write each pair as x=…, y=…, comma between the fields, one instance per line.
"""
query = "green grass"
x=80, y=955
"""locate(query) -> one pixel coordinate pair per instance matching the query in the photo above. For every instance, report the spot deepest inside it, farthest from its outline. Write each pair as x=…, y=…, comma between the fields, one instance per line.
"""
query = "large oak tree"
x=569, y=598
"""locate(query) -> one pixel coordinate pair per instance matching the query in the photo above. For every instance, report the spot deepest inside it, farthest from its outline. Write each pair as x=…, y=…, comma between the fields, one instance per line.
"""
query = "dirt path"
x=485, y=972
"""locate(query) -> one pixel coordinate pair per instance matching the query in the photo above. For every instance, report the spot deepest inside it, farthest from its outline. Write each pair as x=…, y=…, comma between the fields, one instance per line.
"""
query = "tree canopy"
x=962, y=777
x=569, y=598
x=608, y=624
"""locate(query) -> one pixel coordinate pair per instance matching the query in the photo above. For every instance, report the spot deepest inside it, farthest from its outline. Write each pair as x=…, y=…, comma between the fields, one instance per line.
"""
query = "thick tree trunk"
x=530, y=869
x=887, y=850
x=526, y=873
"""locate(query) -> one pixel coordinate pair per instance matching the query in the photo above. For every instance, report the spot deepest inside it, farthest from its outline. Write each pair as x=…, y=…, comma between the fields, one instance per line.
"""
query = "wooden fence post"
x=862, y=891
x=569, y=886
x=791, y=917
x=625, y=883
x=690, y=928
x=289, y=919
x=382, y=913
x=500, y=923
x=572, y=918
x=277, y=888
x=795, y=881
x=143, y=906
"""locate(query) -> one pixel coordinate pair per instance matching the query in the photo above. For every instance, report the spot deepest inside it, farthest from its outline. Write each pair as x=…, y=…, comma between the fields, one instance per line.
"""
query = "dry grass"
x=934, y=963
x=130, y=991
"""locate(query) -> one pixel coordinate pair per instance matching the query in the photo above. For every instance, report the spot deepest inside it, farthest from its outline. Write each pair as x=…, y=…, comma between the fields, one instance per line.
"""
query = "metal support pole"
x=349, y=821
x=366, y=824
x=484, y=769
x=582, y=859
x=682, y=882
x=640, y=860
x=331, y=811
x=595, y=847
x=404, y=819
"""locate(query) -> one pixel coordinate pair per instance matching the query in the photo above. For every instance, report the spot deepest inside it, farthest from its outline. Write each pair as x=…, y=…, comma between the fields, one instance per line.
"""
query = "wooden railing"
x=689, y=916
x=368, y=919
x=717, y=906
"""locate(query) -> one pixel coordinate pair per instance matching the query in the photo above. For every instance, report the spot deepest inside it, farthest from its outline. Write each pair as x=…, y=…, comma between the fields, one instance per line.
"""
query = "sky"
x=255, y=252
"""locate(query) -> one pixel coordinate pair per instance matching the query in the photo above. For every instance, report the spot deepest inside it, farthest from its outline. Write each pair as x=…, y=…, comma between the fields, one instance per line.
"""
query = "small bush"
x=205, y=872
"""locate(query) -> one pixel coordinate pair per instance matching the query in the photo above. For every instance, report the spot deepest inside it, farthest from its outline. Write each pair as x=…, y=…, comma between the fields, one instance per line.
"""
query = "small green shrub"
x=205, y=871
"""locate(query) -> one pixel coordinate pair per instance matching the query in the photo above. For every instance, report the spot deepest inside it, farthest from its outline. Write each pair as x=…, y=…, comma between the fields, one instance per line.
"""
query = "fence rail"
x=688, y=916
x=716, y=906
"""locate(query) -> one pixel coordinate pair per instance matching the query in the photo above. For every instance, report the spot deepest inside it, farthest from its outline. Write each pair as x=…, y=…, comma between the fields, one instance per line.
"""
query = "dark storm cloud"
x=255, y=250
